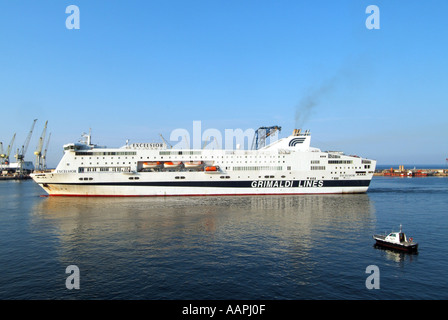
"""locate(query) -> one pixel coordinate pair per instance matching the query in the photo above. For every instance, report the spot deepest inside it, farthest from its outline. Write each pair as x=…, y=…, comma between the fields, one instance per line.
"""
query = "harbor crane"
x=261, y=134
x=20, y=155
x=4, y=157
x=166, y=142
x=44, y=154
x=38, y=153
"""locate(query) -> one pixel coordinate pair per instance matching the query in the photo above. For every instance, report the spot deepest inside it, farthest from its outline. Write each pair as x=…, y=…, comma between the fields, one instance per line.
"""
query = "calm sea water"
x=265, y=247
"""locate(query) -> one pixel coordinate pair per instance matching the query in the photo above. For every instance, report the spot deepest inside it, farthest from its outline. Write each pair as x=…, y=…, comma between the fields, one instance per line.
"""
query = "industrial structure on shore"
x=402, y=172
x=21, y=169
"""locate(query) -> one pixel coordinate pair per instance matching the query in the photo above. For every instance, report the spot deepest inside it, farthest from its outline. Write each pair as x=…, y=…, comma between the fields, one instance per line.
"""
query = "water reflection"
x=201, y=244
x=145, y=220
x=204, y=214
x=396, y=255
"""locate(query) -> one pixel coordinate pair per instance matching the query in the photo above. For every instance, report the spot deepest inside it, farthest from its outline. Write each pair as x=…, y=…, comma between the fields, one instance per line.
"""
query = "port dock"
x=14, y=177
x=21, y=169
x=402, y=172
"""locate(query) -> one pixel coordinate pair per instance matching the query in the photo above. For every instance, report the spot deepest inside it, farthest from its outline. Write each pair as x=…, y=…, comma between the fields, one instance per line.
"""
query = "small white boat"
x=396, y=240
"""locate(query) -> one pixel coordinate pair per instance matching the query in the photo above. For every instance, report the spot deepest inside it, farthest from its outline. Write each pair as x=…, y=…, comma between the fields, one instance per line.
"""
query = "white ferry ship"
x=287, y=166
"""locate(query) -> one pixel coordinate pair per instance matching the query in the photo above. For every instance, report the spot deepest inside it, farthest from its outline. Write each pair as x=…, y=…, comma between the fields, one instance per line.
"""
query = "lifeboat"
x=193, y=164
x=152, y=164
x=170, y=164
x=211, y=169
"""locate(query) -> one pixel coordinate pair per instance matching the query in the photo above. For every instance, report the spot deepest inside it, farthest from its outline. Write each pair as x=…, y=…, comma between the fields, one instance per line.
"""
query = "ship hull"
x=395, y=246
x=205, y=188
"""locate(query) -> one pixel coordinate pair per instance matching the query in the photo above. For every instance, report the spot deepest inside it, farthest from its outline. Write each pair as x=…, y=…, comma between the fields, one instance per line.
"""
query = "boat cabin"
x=396, y=237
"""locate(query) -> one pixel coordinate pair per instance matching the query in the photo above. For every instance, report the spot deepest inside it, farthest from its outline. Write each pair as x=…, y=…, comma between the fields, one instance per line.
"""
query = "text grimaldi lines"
x=287, y=183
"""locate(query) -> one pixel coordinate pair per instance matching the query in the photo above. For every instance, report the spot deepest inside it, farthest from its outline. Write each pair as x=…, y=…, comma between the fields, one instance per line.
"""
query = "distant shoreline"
x=412, y=166
x=411, y=171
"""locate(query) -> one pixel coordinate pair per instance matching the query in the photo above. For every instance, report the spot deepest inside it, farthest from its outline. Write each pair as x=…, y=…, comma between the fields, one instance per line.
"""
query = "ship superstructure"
x=287, y=166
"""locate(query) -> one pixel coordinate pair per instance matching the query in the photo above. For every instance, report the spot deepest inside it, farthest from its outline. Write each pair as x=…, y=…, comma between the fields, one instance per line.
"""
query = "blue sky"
x=136, y=69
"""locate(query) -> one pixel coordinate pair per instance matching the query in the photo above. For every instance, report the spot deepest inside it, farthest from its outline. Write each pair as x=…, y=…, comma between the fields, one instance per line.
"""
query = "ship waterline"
x=287, y=166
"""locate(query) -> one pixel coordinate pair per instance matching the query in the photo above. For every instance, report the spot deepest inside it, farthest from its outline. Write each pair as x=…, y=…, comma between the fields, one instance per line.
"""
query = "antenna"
x=87, y=137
